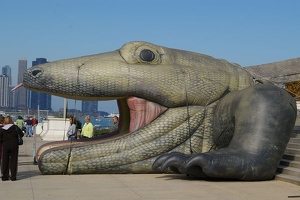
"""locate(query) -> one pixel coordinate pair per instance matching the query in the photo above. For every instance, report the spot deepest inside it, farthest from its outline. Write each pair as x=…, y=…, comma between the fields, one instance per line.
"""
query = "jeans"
x=33, y=129
x=28, y=130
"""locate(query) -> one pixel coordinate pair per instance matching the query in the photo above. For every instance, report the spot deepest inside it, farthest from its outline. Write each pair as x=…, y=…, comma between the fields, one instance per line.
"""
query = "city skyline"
x=248, y=33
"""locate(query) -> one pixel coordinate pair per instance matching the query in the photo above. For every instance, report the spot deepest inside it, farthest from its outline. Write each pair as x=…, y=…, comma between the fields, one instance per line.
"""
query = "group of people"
x=87, y=130
x=29, y=125
x=10, y=131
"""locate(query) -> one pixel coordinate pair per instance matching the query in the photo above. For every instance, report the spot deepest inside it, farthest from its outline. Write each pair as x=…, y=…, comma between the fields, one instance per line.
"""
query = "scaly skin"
x=192, y=118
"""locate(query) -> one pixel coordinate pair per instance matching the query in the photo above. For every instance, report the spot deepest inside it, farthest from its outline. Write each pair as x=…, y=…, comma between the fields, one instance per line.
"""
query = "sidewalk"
x=32, y=185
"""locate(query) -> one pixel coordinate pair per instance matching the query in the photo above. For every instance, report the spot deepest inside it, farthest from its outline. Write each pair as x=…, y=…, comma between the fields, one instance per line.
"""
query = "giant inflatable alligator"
x=179, y=112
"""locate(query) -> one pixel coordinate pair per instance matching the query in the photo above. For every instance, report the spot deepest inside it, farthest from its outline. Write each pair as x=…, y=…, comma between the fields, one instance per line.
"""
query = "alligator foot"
x=251, y=130
x=226, y=163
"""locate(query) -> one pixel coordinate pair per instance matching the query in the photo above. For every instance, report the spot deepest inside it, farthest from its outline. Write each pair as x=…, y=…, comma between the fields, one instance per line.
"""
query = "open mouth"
x=136, y=113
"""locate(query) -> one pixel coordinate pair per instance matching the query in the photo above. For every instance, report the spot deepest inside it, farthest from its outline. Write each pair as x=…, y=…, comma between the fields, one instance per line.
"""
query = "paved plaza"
x=32, y=185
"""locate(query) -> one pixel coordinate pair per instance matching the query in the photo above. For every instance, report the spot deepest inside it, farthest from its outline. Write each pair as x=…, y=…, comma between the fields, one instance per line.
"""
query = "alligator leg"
x=251, y=130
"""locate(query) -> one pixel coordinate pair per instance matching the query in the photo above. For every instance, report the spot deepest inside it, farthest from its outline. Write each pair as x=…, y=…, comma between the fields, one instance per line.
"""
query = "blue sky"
x=245, y=32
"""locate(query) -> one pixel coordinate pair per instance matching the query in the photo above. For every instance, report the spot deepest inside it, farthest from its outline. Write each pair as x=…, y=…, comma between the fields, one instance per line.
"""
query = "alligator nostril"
x=36, y=72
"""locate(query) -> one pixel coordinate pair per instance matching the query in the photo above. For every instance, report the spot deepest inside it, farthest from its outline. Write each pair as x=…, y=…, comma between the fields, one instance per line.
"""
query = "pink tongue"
x=20, y=85
x=142, y=112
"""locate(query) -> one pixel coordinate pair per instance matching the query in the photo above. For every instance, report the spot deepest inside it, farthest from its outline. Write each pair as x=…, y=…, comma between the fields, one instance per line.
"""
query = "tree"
x=294, y=89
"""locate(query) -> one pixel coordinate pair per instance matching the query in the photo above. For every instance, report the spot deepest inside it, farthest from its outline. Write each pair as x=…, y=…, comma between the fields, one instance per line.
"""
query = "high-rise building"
x=4, y=91
x=6, y=96
x=39, y=99
x=21, y=97
x=6, y=70
x=89, y=107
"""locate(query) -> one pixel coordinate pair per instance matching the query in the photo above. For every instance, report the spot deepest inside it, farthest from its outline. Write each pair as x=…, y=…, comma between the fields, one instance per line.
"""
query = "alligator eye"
x=147, y=55
x=36, y=72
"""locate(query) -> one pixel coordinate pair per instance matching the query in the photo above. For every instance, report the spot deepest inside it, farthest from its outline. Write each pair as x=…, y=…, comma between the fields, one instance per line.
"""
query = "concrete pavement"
x=32, y=185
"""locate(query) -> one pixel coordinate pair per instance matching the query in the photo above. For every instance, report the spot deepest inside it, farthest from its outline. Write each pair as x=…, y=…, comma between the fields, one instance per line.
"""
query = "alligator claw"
x=170, y=160
x=174, y=161
x=179, y=162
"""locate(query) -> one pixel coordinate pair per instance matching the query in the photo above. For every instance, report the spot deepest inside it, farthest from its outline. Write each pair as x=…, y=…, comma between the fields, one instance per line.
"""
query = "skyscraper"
x=21, y=97
x=6, y=70
x=4, y=91
x=39, y=99
x=89, y=107
x=12, y=98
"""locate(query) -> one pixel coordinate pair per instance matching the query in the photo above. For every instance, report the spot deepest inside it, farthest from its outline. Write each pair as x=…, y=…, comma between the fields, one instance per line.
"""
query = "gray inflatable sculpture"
x=179, y=112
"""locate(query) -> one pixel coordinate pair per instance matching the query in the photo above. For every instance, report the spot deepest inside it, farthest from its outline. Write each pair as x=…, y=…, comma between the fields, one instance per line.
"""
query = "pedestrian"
x=20, y=122
x=72, y=130
x=88, y=128
x=115, y=124
x=9, y=139
x=34, y=124
x=28, y=127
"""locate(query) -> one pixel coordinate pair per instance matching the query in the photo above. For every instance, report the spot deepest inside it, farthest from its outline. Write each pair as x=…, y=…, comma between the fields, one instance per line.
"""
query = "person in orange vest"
x=34, y=124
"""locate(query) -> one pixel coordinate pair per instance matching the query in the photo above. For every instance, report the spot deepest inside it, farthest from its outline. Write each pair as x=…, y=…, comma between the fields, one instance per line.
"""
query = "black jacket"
x=9, y=134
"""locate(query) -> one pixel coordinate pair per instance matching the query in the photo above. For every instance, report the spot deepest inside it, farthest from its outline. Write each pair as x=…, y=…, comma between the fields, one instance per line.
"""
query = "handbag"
x=20, y=139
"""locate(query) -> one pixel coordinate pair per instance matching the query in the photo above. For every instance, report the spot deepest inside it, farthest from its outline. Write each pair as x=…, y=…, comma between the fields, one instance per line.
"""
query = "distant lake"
x=98, y=123
x=101, y=123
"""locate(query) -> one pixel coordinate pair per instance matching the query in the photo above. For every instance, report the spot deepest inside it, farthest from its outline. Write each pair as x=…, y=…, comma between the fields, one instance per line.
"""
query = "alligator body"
x=179, y=112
